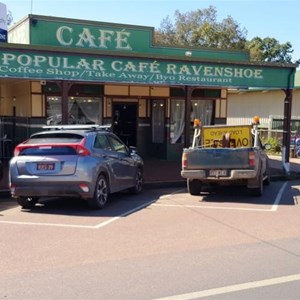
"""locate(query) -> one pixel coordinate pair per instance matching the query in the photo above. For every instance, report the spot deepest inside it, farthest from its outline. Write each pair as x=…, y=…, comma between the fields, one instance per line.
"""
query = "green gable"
x=80, y=34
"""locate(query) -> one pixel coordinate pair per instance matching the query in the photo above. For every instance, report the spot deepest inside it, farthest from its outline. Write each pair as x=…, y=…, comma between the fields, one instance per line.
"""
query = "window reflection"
x=158, y=121
x=82, y=110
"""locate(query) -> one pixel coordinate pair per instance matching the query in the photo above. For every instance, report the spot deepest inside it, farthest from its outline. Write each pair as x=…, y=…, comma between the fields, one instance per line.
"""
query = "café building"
x=68, y=71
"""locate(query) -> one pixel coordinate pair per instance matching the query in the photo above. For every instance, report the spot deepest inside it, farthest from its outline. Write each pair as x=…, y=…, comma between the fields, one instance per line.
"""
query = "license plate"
x=217, y=173
x=45, y=166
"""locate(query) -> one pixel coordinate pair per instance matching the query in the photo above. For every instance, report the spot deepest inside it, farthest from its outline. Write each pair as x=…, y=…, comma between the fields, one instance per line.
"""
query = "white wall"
x=242, y=106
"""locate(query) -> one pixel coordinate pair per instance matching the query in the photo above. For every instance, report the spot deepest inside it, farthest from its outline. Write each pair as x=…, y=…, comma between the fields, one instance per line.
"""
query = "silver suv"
x=86, y=161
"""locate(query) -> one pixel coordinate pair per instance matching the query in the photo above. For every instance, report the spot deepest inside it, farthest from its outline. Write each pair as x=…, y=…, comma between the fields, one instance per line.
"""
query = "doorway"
x=125, y=122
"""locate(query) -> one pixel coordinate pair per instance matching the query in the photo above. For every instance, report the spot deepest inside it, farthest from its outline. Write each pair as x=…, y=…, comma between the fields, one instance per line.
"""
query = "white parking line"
x=47, y=224
x=111, y=220
x=279, y=196
x=234, y=288
x=100, y=225
x=212, y=207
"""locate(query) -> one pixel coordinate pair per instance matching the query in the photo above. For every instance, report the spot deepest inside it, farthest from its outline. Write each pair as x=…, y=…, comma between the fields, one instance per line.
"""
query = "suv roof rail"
x=78, y=127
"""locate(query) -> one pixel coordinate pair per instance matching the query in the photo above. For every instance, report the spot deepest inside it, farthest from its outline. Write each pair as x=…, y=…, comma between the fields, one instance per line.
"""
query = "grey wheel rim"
x=102, y=191
x=139, y=181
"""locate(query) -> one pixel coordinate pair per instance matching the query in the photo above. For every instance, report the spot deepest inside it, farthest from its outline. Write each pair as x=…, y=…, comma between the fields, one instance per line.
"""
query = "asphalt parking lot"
x=71, y=212
x=160, y=243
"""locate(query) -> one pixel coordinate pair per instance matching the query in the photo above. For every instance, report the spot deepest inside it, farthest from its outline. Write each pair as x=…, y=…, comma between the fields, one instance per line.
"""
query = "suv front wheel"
x=139, y=182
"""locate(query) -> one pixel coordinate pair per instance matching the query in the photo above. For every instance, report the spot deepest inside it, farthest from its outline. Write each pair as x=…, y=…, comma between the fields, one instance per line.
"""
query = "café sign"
x=91, y=35
x=81, y=67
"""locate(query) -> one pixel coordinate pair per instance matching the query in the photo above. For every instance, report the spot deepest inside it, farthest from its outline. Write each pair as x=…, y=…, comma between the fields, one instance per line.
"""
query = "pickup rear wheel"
x=194, y=187
x=258, y=191
x=267, y=179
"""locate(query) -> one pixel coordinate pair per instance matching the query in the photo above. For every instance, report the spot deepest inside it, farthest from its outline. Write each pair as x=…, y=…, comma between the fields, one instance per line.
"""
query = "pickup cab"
x=226, y=155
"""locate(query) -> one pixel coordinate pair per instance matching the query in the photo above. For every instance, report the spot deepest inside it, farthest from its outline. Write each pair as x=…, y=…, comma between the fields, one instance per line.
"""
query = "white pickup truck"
x=225, y=155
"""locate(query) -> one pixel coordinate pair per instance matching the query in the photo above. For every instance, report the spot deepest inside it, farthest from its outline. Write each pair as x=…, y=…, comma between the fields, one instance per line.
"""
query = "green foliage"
x=269, y=50
x=200, y=28
x=275, y=145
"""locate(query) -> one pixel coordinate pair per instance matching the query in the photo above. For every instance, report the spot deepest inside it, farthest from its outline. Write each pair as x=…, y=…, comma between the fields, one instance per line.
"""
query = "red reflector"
x=84, y=187
x=251, y=159
x=184, y=161
x=12, y=188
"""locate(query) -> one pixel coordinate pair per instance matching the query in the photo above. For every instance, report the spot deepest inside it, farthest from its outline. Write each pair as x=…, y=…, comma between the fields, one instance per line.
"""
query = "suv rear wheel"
x=100, y=198
x=27, y=202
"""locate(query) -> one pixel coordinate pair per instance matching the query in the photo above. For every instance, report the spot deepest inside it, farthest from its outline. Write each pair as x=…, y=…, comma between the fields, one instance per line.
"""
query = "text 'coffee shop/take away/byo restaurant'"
x=67, y=71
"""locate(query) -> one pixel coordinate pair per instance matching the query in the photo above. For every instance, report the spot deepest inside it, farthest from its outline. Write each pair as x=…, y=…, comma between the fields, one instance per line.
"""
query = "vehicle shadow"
x=120, y=204
x=240, y=194
x=7, y=203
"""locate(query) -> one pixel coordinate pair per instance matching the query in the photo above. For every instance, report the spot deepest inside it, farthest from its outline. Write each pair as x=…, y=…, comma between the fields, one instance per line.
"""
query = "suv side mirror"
x=132, y=150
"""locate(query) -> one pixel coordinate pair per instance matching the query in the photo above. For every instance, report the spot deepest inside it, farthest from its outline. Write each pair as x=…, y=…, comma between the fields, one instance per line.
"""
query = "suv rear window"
x=65, y=150
x=55, y=138
x=49, y=143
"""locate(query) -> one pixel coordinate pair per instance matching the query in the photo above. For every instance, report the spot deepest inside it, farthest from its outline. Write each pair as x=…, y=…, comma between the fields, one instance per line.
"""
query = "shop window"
x=82, y=110
x=158, y=121
x=177, y=121
x=203, y=110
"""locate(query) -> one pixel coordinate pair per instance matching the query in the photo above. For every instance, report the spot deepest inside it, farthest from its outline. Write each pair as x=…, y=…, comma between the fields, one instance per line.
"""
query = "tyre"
x=258, y=191
x=139, y=182
x=100, y=198
x=194, y=187
x=27, y=202
x=267, y=176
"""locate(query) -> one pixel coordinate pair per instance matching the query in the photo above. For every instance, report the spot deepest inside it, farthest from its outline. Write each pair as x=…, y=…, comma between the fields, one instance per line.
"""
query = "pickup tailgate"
x=215, y=158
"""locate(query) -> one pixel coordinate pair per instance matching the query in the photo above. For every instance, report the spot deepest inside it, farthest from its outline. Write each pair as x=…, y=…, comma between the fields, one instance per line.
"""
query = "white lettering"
x=60, y=35
x=7, y=57
x=107, y=39
x=171, y=69
x=104, y=37
x=86, y=37
x=117, y=66
x=122, y=40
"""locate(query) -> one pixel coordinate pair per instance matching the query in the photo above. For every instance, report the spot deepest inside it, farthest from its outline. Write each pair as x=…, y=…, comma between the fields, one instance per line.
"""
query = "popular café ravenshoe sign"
x=110, y=59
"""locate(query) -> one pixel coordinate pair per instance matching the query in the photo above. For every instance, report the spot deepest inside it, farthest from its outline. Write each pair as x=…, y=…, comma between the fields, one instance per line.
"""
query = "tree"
x=200, y=28
x=269, y=50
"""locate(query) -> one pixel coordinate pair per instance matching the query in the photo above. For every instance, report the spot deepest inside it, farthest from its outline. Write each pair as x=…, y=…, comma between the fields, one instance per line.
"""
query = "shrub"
x=276, y=146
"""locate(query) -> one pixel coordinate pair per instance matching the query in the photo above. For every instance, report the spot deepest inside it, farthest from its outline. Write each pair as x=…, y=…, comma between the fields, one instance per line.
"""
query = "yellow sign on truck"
x=236, y=136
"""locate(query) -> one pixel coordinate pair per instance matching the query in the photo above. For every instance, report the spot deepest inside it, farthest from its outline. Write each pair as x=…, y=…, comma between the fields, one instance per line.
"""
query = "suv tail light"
x=18, y=149
x=79, y=148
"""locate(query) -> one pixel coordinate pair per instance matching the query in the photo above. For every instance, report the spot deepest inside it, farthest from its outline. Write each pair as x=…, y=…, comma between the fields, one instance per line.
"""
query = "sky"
x=277, y=19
